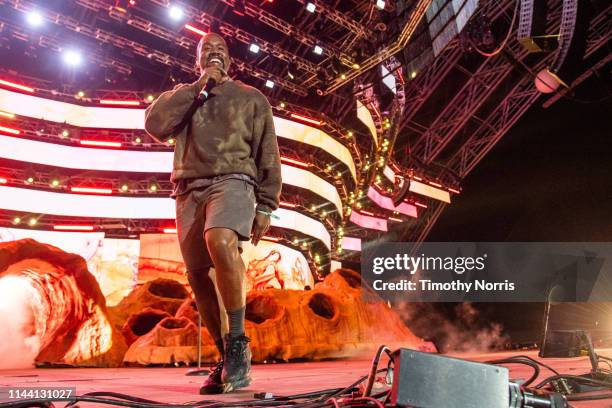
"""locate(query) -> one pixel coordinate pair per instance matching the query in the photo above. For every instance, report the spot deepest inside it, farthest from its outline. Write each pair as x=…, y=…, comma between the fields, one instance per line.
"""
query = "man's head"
x=213, y=51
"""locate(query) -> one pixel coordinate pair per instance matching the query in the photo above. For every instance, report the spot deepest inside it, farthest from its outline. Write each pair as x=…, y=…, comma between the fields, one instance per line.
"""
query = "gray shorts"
x=225, y=204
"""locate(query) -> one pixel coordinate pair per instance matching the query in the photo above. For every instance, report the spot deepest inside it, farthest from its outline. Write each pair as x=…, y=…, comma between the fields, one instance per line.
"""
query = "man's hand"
x=212, y=72
x=261, y=224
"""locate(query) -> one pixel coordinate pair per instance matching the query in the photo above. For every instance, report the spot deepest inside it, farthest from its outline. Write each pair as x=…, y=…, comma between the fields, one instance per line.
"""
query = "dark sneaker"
x=213, y=384
x=237, y=367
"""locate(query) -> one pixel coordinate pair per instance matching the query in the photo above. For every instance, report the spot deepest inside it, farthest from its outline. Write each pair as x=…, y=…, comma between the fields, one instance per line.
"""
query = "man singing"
x=226, y=160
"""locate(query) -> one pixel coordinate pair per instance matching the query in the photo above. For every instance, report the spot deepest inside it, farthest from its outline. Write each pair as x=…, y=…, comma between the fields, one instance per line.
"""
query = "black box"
x=426, y=380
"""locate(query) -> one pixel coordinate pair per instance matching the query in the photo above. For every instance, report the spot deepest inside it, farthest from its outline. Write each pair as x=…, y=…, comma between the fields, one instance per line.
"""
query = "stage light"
x=195, y=30
x=318, y=50
x=29, y=180
x=16, y=86
x=317, y=258
x=286, y=204
x=433, y=183
x=91, y=190
x=269, y=84
x=80, y=94
x=452, y=190
x=380, y=4
x=138, y=140
x=153, y=186
x=282, y=105
x=16, y=220
x=72, y=57
x=171, y=141
x=4, y=129
x=311, y=7
x=413, y=74
x=420, y=204
x=305, y=119
x=313, y=208
x=55, y=182
x=293, y=161
x=73, y=227
x=169, y=230
x=356, y=66
x=124, y=187
x=150, y=98
x=343, y=76
x=33, y=222
x=291, y=70
x=323, y=213
x=65, y=133
x=34, y=18
x=3, y=180
x=99, y=143
x=254, y=48
x=119, y=102
x=175, y=13
x=7, y=115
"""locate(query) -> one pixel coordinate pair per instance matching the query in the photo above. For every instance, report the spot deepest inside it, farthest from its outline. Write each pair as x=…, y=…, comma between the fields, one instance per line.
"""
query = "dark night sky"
x=548, y=179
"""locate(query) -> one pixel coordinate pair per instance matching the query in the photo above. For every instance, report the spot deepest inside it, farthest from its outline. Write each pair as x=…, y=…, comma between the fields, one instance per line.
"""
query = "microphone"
x=205, y=92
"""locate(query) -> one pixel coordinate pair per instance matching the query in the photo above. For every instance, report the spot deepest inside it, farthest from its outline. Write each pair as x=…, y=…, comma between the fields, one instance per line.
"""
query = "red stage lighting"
x=293, y=161
x=433, y=183
x=452, y=190
x=286, y=204
x=99, y=143
x=7, y=115
x=73, y=227
x=420, y=204
x=267, y=238
x=395, y=219
x=9, y=130
x=119, y=102
x=3, y=180
x=195, y=30
x=91, y=190
x=16, y=86
x=306, y=119
x=169, y=230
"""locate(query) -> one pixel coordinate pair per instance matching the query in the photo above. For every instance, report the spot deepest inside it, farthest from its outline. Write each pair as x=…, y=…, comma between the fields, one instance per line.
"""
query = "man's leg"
x=222, y=246
x=208, y=304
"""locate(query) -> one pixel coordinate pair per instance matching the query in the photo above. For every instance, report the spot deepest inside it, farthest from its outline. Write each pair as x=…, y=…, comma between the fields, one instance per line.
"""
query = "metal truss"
x=145, y=51
x=55, y=45
x=427, y=81
x=480, y=85
x=503, y=117
x=208, y=21
x=281, y=26
x=417, y=14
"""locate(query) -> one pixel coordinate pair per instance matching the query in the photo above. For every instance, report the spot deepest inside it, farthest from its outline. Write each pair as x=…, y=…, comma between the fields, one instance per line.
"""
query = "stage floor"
x=171, y=385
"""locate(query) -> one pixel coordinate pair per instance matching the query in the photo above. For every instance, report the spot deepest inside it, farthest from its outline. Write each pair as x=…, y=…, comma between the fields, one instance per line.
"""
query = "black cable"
x=588, y=397
x=536, y=369
x=538, y=363
x=577, y=378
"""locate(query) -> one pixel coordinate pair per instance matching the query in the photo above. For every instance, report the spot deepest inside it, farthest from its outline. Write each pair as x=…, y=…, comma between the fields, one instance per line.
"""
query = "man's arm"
x=267, y=160
x=164, y=115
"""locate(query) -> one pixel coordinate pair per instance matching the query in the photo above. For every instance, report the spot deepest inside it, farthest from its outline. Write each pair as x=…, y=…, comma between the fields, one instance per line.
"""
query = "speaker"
x=426, y=380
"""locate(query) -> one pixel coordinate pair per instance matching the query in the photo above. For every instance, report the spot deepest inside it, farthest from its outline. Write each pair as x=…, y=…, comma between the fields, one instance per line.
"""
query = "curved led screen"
x=81, y=205
x=125, y=118
x=84, y=158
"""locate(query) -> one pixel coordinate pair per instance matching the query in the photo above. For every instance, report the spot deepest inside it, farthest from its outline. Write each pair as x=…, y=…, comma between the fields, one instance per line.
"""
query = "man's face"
x=213, y=52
